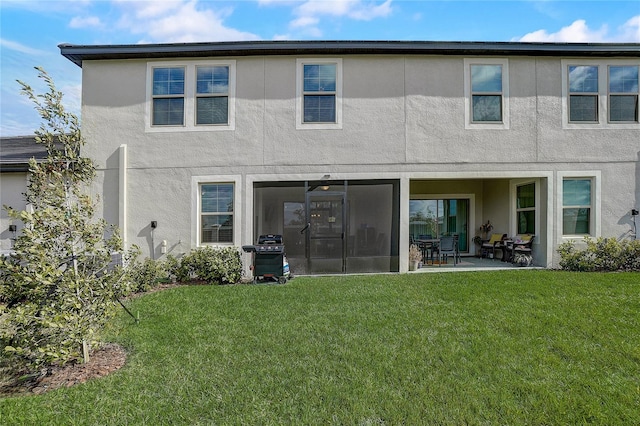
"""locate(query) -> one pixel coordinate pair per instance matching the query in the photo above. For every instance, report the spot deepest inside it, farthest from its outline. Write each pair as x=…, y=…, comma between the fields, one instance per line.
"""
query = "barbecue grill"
x=268, y=259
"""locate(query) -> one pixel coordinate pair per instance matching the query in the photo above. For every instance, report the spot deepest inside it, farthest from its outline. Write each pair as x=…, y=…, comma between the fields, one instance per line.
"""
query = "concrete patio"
x=470, y=263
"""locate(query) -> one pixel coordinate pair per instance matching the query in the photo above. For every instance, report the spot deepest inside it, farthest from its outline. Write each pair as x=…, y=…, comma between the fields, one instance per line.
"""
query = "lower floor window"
x=526, y=208
x=216, y=213
x=576, y=206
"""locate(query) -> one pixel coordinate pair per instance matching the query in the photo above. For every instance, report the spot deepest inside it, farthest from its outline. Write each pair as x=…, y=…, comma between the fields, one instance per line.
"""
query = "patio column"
x=122, y=193
x=405, y=188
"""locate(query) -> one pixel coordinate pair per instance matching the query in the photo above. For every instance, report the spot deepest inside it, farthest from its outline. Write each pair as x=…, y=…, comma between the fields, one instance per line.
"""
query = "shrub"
x=602, y=254
x=145, y=275
x=212, y=265
x=56, y=288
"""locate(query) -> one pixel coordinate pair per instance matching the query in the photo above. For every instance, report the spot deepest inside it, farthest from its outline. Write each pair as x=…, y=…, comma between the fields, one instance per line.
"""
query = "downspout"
x=122, y=194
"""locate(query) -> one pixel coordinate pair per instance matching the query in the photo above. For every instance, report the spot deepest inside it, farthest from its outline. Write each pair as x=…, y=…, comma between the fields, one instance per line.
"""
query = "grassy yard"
x=507, y=347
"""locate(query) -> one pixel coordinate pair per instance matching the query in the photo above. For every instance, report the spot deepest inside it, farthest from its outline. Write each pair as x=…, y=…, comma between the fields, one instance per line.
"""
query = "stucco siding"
x=403, y=119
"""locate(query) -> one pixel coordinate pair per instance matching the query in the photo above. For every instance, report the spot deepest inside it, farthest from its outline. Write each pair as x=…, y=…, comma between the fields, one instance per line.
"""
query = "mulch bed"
x=102, y=361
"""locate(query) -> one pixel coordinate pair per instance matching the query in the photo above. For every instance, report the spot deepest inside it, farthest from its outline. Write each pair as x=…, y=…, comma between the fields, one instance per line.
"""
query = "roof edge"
x=79, y=53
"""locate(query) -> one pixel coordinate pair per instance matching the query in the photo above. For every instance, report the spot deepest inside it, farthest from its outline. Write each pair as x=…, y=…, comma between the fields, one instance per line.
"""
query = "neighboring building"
x=15, y=153
x=348, y=148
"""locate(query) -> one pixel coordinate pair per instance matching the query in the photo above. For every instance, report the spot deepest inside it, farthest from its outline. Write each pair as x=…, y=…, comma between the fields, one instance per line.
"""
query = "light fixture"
x=634, y=212
x=154, y=225
x=13, y=229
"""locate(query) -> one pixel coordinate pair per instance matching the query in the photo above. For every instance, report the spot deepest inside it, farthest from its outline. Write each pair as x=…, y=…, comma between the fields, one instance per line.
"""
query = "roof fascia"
x=79, y=53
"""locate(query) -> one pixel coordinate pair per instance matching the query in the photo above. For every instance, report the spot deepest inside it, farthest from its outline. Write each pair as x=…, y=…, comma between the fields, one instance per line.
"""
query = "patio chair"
x=521, y=249
x=448, y=246
x=495, y=242
x=425, y=247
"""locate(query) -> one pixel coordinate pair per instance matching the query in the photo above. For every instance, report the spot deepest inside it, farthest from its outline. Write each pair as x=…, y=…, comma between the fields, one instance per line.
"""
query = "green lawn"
x=507, y=347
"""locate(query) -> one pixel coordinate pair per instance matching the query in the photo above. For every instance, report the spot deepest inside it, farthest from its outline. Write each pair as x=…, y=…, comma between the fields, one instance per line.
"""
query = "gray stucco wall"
x=403, y=118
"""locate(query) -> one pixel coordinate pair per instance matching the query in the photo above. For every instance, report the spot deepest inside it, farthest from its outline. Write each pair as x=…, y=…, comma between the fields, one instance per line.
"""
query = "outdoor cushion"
x=494, y=239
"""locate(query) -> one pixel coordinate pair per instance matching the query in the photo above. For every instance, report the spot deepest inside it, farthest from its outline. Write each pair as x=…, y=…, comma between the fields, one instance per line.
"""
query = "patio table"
x=428, y=244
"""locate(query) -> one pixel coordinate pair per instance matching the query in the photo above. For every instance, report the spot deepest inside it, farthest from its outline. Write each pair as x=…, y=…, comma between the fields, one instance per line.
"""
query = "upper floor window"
x=319, y=102
x=600, y=93
x=583, y=93
x=191, y=95
x=212, y=94
x=319, y=94
x=168, y=96
x=623, y=93
x=486, y=93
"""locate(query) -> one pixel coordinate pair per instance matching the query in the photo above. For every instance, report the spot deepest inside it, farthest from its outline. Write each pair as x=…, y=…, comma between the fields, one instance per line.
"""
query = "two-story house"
x=350, y=148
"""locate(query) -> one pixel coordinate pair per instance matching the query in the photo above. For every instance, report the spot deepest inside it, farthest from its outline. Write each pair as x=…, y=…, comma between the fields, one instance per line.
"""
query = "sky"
x=30, y=30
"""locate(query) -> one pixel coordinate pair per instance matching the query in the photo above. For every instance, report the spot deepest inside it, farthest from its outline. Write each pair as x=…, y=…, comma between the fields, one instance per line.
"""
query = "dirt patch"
x=102, y=361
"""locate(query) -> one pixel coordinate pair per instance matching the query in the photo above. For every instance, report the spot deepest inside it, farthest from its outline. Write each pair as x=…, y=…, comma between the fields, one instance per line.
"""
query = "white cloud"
x=19, y=47
x=303, y=21
x=85, y=22
x=178, y=22
x=579, y=32
x=630, y=30
x=150, y=9
x=354, y=9
x=309, y=13
x=369, y=12
x=46, y=6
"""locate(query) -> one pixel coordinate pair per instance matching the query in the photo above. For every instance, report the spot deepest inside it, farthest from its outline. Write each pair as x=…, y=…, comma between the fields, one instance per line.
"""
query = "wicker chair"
x=490, y=246
x=521, y=252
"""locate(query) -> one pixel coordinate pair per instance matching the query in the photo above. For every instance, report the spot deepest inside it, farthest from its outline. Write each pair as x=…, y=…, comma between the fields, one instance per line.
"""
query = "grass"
x=505, y=347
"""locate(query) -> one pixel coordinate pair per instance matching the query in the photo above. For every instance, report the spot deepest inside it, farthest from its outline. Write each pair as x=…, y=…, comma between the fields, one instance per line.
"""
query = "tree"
x=56, y=290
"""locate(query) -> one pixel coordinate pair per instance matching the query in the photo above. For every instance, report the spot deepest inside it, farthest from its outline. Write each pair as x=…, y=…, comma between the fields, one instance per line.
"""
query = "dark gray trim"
x=79, y=53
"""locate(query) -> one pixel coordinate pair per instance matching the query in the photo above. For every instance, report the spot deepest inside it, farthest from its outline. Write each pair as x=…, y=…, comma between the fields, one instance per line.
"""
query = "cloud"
x=630, y=30
x=178, y=22
x=85, y=22
x=46, y=6
x=579, y=32
x=303, y=21
x=19, y=47
x=354, y=9
x=309, y=14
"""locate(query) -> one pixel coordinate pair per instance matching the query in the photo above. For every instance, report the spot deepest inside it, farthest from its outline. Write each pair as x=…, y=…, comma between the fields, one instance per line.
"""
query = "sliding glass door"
x=438, y=217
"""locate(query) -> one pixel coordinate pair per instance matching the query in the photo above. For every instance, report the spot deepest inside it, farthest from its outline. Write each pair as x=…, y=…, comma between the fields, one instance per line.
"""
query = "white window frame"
x=190, y=96
x=468, y=103
x=595, y=215
x=300, y=63
x=196, y=222
x=603, y=94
